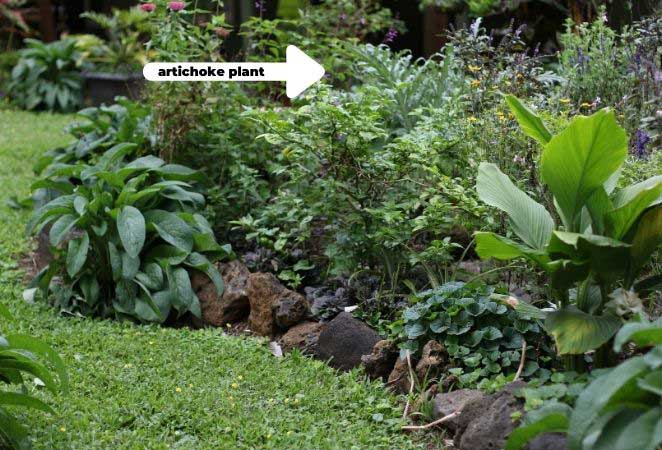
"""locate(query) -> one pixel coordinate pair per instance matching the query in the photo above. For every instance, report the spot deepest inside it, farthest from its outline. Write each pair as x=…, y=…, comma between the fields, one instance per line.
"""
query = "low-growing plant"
x=618, y=409
x=48, y=76
x=100, y=129
x=606, y=235
x=482, y=336
x=125, y=238
x=23, y=359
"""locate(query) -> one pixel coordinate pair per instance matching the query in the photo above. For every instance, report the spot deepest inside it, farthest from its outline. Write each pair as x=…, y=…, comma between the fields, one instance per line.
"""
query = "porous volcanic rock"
x=344, y=340
x=380, y=362
x=230, y=307
x=272, y=304
x=303, y=336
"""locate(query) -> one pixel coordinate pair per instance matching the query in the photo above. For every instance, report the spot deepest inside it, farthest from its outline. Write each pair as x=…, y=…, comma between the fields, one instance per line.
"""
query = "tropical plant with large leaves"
x=619, y=409
x=125, y=237
x=605, y=236
x=24, y=358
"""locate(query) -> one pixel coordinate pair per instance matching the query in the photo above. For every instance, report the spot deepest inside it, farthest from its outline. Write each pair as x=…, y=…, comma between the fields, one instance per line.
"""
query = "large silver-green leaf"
x=581, y=159
x=490, y=245
x=597, y=395
x=529, y=219
x=530, y=123
x=626, y=195
x=576, y=332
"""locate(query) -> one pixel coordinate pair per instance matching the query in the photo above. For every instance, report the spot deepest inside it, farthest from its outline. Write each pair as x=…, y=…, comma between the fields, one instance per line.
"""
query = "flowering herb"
x=176, y=6
x=148, y=7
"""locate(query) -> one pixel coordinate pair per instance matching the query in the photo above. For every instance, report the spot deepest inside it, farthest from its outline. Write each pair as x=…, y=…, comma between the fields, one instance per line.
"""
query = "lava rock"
x=230, y=307
x=303, y=336
x=490, y=420
x=448, y=403
x=326, y=302
x=548, y=441
x=289, y=311
x=380, y=362
x=344, y=340
x=433, y=357
x=272, y=304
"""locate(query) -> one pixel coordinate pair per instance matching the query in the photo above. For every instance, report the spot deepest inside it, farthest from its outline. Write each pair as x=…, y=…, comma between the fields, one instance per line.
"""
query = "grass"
x=135, y=387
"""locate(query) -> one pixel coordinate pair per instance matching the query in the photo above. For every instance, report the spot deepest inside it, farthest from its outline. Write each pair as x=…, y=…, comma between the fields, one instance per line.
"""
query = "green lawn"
x=145, y=387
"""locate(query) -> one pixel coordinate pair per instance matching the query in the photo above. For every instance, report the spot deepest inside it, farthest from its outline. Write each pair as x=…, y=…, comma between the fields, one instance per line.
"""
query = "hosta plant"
x=594, y=252
x=619, y=409
x=126, y=238
x=47, y=76
x=22, y=360
x=482, y=337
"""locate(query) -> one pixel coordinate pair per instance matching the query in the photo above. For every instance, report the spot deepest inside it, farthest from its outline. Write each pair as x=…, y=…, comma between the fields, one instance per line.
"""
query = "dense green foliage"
x=47, y=76
x=618, y=409
x=22, y=357
x=607, y=237
x=482, y=336
x=125, y=236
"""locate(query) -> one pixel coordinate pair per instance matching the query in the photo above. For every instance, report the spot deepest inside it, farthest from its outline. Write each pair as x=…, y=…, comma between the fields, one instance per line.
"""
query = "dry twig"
x=521, y=361
x=411, y=385
x=432, y=424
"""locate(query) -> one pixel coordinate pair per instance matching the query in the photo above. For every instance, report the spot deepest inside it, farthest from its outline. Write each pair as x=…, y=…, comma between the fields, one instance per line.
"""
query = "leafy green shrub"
x=48, y=76
x=125, y=237
x=125, y=30
x=102, y=128
x=607, y=235
x=482, y=336
x=24, y=358
x=618, y=409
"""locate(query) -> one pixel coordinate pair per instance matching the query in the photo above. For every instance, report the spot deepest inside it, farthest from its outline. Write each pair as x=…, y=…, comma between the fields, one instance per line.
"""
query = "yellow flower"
x=290, y=433
x=127, y=366
x=62, y=429
x=240, y=378
x=190, y=385
x=474, y=68
x=472, y=119
x=230, y=397
x=475, y=83
x=151, y=342
x=565, y=101
x=585, y=105
x=519, y=75
x=296, y=401
x=268, y=436
x=287, y=400
x=178, y=389
x=234, y=385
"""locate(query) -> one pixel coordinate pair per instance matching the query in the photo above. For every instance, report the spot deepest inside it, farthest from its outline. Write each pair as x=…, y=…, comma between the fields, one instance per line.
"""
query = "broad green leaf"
x=530, y=123
x=130, y=266
x=13, y=431
x=529, y=219
x=597, y=395
x=605, y=255
x=646, y=240
x=576, y=332
x=115, y=154
x=490, y=245
x=181, y=292
x=131, y=229
x=641, y=333
x=552, y=420
x=44, y=351
x=627, y=194
x=166, y=255
x=581, y=159
x=172, y=229
x=201, y=263
x=567, y=272
x=61, y=229
x=77, y=254
x=644, y=433
x=146, y=162
x=115, y=260
x=652, y=383
x=17, y=399
x=622, y=218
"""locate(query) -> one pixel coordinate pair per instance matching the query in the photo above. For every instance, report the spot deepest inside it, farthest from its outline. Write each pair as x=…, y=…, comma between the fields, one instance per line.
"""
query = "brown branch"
x=432, y=424
x=521, y=361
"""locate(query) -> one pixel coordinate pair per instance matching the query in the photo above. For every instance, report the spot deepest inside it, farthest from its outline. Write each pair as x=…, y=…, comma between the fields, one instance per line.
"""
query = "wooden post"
x=435, y=23
x=47, y=21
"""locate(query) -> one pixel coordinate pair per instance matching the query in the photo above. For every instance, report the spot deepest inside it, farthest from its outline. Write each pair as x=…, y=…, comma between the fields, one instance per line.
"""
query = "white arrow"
x=299, y=72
